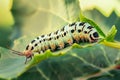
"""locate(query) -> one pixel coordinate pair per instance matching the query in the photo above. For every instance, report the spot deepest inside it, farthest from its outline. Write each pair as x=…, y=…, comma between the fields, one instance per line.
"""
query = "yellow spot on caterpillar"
x=61, y=45
x=76, y=37
x=70, y=41
x=46, y=47
x=53, y=46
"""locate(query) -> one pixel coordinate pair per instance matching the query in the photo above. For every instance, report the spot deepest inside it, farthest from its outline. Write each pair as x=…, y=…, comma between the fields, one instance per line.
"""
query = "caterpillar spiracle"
x=72, y=33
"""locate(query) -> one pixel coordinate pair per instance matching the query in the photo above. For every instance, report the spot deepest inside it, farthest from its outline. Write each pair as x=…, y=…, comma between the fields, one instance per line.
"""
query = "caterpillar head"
x=27, y=53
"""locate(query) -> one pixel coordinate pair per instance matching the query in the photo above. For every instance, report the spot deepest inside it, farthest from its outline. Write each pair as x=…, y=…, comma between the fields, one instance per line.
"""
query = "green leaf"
x=111, y=34
x=111, y=44
x=38, y=58
x=73, y=62
x=77, y=60
x=16, y=63
x=10, y=65
x=46, y=16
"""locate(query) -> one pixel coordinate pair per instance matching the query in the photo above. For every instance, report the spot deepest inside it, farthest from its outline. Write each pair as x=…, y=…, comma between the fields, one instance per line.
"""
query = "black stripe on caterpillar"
x=72, y=33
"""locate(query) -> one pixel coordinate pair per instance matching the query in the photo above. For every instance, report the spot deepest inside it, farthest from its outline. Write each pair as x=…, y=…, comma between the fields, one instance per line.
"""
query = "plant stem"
x=111, y=44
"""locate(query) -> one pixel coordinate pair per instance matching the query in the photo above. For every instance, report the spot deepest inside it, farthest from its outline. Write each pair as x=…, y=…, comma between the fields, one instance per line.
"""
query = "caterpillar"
x=76, y=32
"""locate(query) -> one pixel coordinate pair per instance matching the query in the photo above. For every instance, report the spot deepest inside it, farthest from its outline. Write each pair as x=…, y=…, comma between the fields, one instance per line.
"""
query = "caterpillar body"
x=72, y=33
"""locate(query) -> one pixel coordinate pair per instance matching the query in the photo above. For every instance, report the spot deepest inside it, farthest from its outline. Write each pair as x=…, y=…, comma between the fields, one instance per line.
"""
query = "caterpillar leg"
x=28, y=59
x=52, y=47
x=76, y=38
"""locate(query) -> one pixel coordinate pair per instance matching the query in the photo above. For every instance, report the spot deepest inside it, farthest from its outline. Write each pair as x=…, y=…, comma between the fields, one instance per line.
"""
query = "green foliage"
x=95, y=61
x=111, y=34
x=6, y=22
